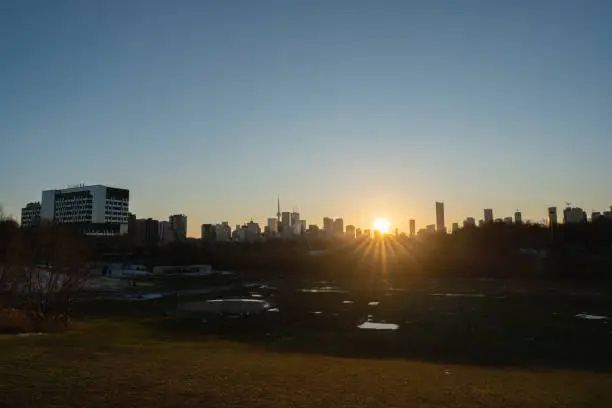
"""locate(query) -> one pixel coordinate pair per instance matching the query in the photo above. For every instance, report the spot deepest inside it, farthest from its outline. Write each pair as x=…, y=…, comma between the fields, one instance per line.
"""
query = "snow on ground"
x=591, y=317
x=378, y=326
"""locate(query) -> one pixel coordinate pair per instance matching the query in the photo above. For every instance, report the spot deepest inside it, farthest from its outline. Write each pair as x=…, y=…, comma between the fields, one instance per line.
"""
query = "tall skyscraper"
x=223, y=231
x=573, y=215
x=440, y=226
x=286, y=220
x=338, y=227
x=295, y=218
x=518, y=218
x=412, y=227
x=146, y=232
x=272, y=227
x=455, y=227
x=552, y=216
x=208, y=233
x=488, y=215
x=179, y=225
x=350, y=231
x=328, y=224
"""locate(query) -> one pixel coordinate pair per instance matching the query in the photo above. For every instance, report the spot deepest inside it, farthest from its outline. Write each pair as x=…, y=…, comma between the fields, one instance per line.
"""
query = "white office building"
x=98, y=209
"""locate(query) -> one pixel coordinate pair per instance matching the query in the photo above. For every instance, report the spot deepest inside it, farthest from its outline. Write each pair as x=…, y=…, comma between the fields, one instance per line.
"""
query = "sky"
x=345, y=108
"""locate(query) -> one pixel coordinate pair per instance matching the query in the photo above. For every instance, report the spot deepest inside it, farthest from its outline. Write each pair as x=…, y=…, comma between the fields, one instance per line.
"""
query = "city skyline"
x=211, y=110
x=286, y=219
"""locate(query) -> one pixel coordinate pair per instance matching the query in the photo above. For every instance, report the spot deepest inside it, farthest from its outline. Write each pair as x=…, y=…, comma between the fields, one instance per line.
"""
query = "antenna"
x=278, y=211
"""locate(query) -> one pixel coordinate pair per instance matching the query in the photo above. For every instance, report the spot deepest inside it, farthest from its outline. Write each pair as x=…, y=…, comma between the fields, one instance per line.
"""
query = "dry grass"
x=122, y=364
x=20, y=321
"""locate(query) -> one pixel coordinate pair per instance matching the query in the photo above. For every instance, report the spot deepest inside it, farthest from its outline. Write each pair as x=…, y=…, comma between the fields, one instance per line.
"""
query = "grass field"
x=128, y=362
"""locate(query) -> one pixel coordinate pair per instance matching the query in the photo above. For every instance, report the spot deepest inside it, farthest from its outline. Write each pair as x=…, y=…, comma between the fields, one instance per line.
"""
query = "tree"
x=46, y=267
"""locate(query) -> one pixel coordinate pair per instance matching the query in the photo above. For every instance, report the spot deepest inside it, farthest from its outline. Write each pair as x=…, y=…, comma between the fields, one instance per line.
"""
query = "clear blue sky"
x=345, y=108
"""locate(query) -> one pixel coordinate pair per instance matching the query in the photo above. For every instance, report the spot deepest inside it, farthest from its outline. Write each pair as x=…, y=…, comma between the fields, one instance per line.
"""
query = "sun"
x=382, y=225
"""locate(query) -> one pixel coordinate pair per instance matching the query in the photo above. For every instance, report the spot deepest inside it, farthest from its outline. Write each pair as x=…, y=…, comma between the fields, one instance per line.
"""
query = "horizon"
x=354, y=110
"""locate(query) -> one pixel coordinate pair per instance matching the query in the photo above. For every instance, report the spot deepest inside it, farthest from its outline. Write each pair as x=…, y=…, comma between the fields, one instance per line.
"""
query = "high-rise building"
x=328, y=224
x=518, y=218
x=508, y=220
x=358, y=232
x=302, y=226
x=350, y=231
x=30, y=215
x=296, y=228
x=209, y=233
x=272, y=227
x=166, y=233
x=481, y=223
x=488, y=215
x=146, y=233
x=295, y=218
x=431, y=228
x=455, y=227
x=367, y=233
x=595, y=216
x=440, y=226
x=573, y=215
x=552, y=216
x=97, y=209
x=223, y=232
x=412, y=227
x=179, y=225
x=286, y=221
x=338, y=227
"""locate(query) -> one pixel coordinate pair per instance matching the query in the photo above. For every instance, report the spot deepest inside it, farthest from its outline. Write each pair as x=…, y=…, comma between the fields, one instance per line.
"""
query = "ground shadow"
x=451, y=331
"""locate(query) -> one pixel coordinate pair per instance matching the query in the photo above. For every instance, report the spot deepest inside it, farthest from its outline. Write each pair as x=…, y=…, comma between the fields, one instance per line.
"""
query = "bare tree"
x=8, y=233
x=48, y=268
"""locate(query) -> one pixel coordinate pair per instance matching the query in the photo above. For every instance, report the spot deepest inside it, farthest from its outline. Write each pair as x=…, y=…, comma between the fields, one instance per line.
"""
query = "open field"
x=488, y=343
x=103, y=363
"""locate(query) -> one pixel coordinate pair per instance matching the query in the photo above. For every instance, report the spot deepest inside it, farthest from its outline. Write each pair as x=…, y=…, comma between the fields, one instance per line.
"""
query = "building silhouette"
x=338, y=227
x=488, y=215
x=440, y=226
x=552, y=216
x=178, y=222
x=412, y=226
x=518, y=218
x=30, y=215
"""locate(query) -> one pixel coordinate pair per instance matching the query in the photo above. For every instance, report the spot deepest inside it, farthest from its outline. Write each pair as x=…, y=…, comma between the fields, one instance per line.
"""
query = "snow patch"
x=378, y=326
x=591, y=317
